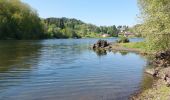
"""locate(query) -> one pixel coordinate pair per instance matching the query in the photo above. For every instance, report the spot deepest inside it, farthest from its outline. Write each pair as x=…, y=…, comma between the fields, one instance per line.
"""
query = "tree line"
x=19, y=21
x=73, y=28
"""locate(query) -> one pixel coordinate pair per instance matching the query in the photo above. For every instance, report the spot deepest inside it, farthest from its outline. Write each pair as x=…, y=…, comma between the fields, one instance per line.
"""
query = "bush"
x=158, y=42
x=123, y=40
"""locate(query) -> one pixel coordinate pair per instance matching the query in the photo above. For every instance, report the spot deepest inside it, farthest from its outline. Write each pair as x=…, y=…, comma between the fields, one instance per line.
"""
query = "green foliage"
x=135, y=45
x=73, y=28
x=156, y=26
x=19, y=21
x=161, y=92
x=136, y=30
x=123, y=28
x=113, y=31
x=123, y=40
x=158, y=41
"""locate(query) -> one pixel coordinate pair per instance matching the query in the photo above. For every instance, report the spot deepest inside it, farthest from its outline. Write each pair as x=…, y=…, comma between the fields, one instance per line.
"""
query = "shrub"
x=123, y=40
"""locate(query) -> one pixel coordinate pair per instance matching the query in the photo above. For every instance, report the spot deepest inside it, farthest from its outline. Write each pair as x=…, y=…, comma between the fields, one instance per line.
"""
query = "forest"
x=73, y=28
x=19, y=21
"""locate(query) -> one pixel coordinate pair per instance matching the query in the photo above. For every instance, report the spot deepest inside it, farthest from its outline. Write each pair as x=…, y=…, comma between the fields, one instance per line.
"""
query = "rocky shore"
x=161, y=66
x=160, y=71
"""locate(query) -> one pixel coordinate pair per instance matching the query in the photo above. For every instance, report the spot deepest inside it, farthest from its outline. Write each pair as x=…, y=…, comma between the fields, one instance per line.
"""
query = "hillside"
x=71, y=28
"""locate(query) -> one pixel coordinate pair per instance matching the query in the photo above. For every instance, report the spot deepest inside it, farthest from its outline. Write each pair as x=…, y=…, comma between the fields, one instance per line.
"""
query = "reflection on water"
x=16, y=61
x=100, y=52
x=66, y=70
x=13, y=53
x=123, y=53
x=147, y=81
x=103, y=52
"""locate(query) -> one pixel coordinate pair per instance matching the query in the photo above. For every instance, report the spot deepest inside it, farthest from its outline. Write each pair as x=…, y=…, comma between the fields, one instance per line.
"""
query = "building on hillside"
x=123, y=29
x=105, y=35
x=127, y=34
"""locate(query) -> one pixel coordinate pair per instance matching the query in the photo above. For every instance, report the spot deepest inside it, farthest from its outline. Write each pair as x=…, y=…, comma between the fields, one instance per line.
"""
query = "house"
x=123, y=29
x=127, y=34
x=105, y=35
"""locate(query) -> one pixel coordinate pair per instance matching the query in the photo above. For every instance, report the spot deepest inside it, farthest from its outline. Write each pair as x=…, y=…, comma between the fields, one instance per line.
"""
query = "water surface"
x=65, y=69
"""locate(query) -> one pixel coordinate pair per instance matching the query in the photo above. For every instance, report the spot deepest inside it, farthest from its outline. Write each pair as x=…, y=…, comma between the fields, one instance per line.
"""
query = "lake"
x=66, y=69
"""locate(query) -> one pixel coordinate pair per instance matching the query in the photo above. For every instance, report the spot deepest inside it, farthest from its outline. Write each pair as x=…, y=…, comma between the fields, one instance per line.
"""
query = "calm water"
x=67, y=70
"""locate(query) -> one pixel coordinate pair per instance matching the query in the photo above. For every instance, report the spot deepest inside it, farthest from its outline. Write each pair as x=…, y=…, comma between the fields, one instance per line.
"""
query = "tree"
x=115, y=31
x=71, y=28
x=19, y=21
x=156, y=23
x=136, y=30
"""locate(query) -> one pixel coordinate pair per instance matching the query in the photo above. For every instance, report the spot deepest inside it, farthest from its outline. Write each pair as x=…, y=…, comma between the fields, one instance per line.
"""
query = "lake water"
x=65, y=69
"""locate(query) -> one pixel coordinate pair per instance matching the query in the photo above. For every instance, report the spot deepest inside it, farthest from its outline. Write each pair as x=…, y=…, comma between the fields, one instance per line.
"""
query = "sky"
x=98, y=12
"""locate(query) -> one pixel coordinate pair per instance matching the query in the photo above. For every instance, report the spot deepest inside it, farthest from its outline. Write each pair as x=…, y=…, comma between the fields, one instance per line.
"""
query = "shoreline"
x=118, y=47
x=158, y=89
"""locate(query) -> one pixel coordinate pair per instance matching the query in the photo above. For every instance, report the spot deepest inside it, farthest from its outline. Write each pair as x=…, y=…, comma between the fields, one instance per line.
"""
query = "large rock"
x=100, y=44
x=162, y=59
x=153, y=72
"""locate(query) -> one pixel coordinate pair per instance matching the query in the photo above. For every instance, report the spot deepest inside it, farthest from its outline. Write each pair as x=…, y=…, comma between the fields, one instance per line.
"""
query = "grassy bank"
x=139, y=47
x=135, y=45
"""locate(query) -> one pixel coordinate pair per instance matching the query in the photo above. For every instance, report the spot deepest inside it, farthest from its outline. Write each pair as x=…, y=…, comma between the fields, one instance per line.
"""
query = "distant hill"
x=73, y=28
x=19, y=21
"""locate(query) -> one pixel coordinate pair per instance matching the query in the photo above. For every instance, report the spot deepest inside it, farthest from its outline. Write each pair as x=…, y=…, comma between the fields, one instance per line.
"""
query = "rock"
x=167, y=77
x=162, y=59
x=149, y=71
x=100, y=44
x=153, y=72
x=156, y=73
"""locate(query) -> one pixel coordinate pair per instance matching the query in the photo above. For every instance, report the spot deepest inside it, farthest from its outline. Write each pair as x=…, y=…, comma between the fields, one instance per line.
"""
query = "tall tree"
x=19, y=21
x=156, y=23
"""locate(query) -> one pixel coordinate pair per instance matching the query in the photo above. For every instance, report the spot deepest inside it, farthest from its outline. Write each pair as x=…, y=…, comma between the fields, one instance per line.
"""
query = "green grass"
x=161, y=93
x=135, y=45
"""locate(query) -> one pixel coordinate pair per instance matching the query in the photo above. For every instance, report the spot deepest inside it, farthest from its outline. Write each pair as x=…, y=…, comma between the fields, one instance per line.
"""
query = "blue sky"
x=98, y=12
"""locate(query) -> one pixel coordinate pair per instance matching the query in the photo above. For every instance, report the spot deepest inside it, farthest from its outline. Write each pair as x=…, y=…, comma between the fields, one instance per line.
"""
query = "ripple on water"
x=66, y=70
